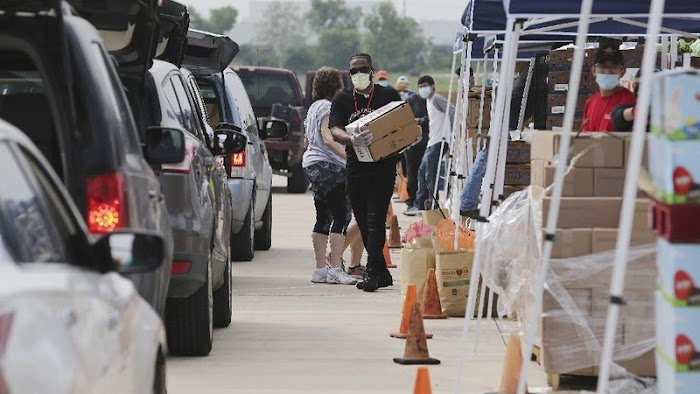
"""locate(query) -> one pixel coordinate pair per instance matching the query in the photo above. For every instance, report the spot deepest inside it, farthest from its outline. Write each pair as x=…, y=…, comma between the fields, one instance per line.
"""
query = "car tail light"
x=237, y=162
x=106, y=203
x=184, y=166
x=296, y=120
x=181, y=267
x=5, y=326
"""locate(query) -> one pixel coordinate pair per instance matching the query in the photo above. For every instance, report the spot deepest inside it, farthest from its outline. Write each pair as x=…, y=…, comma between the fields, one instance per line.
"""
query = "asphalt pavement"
x=291, y=336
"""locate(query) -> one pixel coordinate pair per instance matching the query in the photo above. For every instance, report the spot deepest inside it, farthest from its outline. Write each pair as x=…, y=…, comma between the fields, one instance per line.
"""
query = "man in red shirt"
x=608, y=69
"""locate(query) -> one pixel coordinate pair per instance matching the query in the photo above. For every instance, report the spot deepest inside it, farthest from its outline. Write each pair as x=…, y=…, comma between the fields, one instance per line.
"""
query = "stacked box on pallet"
x=518, y=171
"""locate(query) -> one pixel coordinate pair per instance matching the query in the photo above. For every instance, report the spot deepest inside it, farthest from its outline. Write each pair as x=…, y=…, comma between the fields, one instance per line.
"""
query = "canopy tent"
x=612, y=8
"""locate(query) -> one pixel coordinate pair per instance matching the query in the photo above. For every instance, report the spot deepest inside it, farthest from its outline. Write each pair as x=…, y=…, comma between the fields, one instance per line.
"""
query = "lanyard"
x=369, y=102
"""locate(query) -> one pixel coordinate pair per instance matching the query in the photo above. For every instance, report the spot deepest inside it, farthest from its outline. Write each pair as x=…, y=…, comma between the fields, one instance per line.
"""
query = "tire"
x=223, y=299
x=159, y=380
x=298, y=183
x=189, y=321
x=242, y=244
x=263, y=237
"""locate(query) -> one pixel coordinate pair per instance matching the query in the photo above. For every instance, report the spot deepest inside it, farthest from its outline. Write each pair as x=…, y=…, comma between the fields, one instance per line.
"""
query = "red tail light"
x=181, y=267
x=184, y=166
x=106, y=203
x=296, y=120
x=5, y=326
x=237, y=162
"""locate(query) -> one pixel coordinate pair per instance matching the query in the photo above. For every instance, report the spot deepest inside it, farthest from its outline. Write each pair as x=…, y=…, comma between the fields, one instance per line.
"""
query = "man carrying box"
x=370, y=184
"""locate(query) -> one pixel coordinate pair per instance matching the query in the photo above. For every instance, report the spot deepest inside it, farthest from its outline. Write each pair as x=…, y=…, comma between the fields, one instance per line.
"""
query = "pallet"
x=675, y=223
x=567, y=381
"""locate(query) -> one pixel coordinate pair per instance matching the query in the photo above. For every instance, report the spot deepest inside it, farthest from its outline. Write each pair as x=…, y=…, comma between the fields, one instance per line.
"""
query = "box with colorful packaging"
x=677, y=337
x=676, y=170
x=679, y=273
x=676, y=105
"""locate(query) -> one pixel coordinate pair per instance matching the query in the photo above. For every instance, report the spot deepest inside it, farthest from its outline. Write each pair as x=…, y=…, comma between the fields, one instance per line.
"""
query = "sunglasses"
x=364, y=70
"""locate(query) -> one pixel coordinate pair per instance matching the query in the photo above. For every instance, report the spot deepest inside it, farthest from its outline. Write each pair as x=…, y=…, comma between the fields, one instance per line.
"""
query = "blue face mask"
x=424, y=92
x=607, y=81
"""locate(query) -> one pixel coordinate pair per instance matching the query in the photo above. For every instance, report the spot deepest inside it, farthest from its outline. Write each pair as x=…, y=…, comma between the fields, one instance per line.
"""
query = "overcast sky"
x=417, y=9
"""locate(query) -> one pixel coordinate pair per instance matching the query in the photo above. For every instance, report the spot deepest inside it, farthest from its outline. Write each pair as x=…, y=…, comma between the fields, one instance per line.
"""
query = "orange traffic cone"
x=411, y=298
x=403, y=190
x=431, y=298
x=416, y=351
x=394, y=233
x=512, y=366
x=387, y=256
x=389, y=215
x=422, y=382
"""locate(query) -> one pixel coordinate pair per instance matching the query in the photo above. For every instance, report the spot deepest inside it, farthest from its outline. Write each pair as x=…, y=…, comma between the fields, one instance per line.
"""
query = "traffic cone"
x=403, y=191
x=394, y=233
x=431, y=298
x=512, y=366
x=416, y=351
x=422, y=382
x=387, y=256
x=411, y=298
x=389, y=215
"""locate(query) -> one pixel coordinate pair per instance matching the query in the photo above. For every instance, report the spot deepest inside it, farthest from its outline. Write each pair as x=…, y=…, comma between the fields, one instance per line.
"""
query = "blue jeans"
x=426, y=176
x=470, y=195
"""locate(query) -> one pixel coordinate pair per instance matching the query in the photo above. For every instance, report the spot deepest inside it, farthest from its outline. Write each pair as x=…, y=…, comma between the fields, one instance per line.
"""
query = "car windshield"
x=265, y=90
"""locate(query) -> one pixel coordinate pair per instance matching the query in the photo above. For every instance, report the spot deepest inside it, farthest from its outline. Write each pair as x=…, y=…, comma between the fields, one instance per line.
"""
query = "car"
x=275, y=93
x=60, y=87
x=68, y=321
x=249, y=172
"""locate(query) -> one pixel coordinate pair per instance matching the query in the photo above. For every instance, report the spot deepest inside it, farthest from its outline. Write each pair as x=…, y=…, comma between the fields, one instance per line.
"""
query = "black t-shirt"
x=349, y=106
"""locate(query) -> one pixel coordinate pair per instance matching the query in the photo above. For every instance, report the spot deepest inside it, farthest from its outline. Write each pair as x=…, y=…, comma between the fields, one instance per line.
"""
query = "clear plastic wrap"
x=572, y=325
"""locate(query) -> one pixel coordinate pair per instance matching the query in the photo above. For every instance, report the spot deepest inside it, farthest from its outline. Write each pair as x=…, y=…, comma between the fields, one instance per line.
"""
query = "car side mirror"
x=229, y=141
x=274, y=128
x=132, y=252
x=164, y=145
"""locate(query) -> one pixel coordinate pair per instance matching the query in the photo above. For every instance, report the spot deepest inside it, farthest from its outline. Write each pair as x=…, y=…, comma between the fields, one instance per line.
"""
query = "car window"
x=29, y=232
x=211, y=101
x=267, y=89
x=189, y=120
x=171, y=98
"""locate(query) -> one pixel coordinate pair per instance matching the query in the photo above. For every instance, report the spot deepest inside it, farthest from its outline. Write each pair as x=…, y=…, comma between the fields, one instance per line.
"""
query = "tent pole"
x=673, y=57
x=483, y=214
x=526, y=94
x=482, y=103
x=664, y=53
x=451, y=157
x=629, y=200
x=553, y=214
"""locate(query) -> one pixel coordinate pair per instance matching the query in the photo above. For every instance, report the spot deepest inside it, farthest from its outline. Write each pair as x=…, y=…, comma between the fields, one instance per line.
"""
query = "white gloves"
x=363, y=139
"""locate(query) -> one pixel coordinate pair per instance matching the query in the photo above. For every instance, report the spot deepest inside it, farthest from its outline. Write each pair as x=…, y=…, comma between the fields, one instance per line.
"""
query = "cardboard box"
x=577, y=183
x=393, y=128
x=605, y=239
x=518, y=152
x=556, y=122
x=590, y=212
x=677, y=336
x=508, y=190
x=675, y=107
x=645, y=155
x=601, y=149
x=608, y=182
x=557, y=103
x=517, y=174
x=572, y=243
x=679, y=273
x=676, y=170
x=670, y=381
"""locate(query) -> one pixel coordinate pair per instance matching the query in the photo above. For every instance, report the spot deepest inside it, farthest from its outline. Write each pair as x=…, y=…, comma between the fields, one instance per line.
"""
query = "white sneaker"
x=338, y=276
x=320, y=275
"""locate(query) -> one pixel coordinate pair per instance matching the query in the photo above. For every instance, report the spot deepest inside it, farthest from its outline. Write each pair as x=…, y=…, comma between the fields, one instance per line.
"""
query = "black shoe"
x=373, y=282
x=472, y=213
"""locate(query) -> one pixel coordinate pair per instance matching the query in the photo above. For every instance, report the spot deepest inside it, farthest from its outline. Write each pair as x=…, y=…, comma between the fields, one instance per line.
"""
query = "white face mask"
x=361, y=81
x=383, y=83
x=425, y=92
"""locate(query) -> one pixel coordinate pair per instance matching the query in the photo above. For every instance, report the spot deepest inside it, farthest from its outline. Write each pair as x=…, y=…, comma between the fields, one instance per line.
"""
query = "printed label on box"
x=676, y=169
x=677, y=335
x=679, y=273
x=559, y=109
x=561, y=87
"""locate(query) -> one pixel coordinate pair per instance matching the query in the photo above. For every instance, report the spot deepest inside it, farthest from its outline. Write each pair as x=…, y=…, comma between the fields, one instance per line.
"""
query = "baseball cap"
x=610, y=55
x=402, y=78
x=382, y=74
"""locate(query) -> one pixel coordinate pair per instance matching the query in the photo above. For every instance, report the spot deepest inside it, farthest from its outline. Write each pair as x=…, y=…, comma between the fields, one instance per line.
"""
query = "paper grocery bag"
x=416, y=260
x=453, y=270
x=434, y=216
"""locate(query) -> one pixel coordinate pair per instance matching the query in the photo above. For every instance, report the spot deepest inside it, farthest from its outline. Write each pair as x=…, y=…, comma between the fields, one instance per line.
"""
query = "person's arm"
x=329, y=140
x=620, y=117
x=441, y=104
x=341, y=136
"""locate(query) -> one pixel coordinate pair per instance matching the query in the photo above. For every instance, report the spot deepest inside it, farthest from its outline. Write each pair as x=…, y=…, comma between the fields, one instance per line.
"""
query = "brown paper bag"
x=416, y=260
x=453, y=270
x=433, y=217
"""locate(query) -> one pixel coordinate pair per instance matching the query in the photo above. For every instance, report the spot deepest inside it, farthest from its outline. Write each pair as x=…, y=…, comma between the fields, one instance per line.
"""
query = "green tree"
x=300, y=59
x=332, y=14
x=336, y=45
x=255, y=55
x=284, y=28
x=396, y=43
x=220, y=21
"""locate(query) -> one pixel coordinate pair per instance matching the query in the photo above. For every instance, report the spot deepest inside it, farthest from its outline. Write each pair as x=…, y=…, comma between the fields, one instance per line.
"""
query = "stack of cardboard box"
x=518, y=171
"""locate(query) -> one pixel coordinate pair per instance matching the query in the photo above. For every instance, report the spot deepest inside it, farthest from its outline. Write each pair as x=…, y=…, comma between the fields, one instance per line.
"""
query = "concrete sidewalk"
x=291, y=336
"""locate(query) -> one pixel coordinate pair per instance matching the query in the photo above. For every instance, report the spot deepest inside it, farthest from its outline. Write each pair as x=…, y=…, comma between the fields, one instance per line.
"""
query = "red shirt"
x=596, y=112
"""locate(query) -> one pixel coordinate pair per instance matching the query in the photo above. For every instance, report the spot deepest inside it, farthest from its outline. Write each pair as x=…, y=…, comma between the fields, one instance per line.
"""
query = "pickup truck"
x=275, y=93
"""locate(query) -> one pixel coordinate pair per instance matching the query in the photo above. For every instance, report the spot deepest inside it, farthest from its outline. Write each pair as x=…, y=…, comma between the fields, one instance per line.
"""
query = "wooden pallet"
x=567, y=381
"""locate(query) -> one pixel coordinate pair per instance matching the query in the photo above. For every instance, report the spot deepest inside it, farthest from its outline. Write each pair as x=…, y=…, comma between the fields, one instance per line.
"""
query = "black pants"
x=413, y=159
x=332, y=212
x=370, y=196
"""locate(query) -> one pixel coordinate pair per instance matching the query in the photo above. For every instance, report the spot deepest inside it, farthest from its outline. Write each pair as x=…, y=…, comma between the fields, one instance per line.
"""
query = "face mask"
x=404, y=95
x=607, y=81
x=361, y=81
x=425, y=91
x=383, y=83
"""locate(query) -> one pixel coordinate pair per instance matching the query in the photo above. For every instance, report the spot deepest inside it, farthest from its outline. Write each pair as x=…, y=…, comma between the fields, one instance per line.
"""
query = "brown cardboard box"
x=645, y=155
x=572, y=243
x=601, y=150
x=583, y=298
x=589, y=212
x=608, y=182
x=556, y=122
x=518, y=152
x=508, y=190
x=557, y=103
x=577, y=183
x=605, y=239
x=517, y=174
x=393, y=128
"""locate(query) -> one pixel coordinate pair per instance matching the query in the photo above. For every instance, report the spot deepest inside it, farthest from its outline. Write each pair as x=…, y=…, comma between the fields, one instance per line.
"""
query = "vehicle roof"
x=161, y=68
x=264, y=70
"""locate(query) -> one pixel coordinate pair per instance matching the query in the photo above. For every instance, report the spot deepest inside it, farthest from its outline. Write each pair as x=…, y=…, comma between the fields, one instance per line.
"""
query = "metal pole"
x=526, y=94
x=553, y=214
x=629, y=200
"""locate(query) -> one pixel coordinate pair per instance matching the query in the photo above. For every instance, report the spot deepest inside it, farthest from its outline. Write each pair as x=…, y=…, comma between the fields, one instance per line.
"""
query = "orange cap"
x=382, y=74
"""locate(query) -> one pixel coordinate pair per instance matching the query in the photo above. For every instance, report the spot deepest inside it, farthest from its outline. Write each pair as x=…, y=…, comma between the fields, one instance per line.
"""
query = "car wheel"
x=223, y=299
x=159, y=380
x=242, y=243
x=263, y=237
x=298, y=182
x=189, y=321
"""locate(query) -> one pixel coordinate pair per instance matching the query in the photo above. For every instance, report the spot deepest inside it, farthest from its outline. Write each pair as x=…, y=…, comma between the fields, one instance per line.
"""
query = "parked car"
x=60, y=87
x=275, y=93
x=249, y=173
x=68, y=322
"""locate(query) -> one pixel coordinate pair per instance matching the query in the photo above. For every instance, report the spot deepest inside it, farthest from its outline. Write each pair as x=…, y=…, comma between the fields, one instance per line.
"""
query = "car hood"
x=209, y=53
